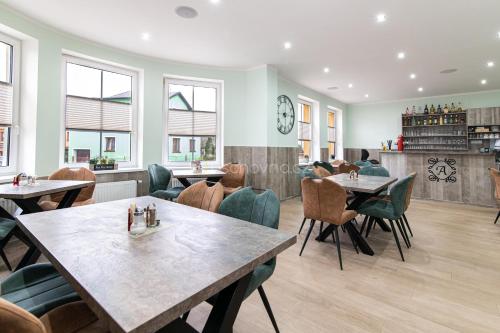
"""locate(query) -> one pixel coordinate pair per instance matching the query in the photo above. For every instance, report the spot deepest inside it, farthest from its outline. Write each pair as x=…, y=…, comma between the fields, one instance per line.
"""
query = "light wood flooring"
x=450, y=281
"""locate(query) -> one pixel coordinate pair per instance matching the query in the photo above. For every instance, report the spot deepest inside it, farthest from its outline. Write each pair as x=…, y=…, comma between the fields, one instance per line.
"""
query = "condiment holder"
x=139, y=220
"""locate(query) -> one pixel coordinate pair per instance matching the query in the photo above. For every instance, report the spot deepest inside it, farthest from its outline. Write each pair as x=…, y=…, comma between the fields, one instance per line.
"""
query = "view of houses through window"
x=305, y=131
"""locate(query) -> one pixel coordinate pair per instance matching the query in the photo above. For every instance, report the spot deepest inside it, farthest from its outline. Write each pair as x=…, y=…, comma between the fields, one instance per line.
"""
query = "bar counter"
x=457, y=176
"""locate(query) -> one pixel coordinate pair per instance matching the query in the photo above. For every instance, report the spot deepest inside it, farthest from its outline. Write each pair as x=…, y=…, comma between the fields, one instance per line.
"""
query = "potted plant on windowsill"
x=102, y=163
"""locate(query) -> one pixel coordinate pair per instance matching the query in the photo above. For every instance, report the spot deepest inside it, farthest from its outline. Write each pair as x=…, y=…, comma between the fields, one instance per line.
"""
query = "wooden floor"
x=450, y=281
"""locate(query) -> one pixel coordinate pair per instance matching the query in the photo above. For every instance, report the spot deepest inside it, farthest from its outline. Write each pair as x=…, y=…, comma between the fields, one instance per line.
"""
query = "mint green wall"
x=366, y=125
x=293, y=90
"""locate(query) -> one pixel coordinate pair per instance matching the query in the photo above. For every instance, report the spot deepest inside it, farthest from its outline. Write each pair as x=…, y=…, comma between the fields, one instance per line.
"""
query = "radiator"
x=115, y=191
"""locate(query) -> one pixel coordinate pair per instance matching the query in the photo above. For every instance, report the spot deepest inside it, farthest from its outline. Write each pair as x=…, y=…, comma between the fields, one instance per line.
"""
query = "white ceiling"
x=340, y=34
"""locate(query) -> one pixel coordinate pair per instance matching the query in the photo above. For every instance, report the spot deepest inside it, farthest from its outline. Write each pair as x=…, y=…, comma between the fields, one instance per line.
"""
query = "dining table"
x=144, y=283
x=211, y=175
x=27, y=196
x=363, y=188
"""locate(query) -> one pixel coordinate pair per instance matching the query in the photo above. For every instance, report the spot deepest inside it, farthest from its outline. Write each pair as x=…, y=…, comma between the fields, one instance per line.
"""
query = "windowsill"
x=7, y=178
x=122, y=170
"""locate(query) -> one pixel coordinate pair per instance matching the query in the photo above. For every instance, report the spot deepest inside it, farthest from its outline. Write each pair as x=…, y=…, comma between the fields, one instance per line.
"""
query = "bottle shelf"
x=416, y=126
x=431, y=114
x=437, y=135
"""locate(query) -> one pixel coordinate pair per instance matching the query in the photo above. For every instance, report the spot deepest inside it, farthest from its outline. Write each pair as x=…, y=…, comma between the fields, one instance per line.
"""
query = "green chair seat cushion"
x=259, y=276
x=6, y=226
x=170, y=193
x=378, y=208
x=38, y=289
x=374, y=171
x=363, y=163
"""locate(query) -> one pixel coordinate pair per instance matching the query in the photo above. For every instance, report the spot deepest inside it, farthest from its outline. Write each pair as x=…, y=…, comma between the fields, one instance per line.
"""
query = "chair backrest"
x=199, y=195
x=374, y=171
x=323, y=200
x=14, y=319
x=235, y=175
x=325, y=165
x=413, y=175
x=309, y=173
x=347, y=168
x=321, y=172
x=336, y=163
x=159, y=177
x=74, y=174
x=398, y=194
x=363, y=163
x=364, y=155
x=495, y=176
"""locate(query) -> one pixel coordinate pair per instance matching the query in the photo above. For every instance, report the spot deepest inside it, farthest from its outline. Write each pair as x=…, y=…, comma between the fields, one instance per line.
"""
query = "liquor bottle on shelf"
x=435, y=120
x=446, y=110
x=426, y=110
x=445, y=119
x=407, y=112
x=439, y=110
x=433, y=110
x=413, y=122
x=425, y=121
x=413, y=110
x=452, y=108
x=441, y=120
x=459, y=109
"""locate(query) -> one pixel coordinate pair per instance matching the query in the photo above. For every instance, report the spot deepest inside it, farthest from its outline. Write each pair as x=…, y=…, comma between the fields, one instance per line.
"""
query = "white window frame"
x=334, y=112
x=219, y=146
x=115, y=68
x=311, y=118
x=339, y=134
x=16, y=79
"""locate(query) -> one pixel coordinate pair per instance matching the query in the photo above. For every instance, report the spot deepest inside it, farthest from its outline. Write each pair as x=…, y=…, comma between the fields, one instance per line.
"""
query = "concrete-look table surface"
x=142, y=284
x=40, y=188
x=364, y=183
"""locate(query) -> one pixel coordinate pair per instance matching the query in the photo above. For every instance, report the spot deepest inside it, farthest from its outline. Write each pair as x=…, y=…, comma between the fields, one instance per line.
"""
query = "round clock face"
x=286, y=114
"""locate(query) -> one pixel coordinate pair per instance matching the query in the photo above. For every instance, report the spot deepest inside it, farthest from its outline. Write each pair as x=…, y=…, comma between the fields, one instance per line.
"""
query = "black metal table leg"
x=5, y=214
x=384, y=226
x=69, y=198
x=29, y=205
x=185, y=182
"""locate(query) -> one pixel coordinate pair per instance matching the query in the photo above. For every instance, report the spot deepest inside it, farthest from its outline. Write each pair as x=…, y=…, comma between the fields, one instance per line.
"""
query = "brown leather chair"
x=85, y=196
x=199, y=195
x=347, y=168
x=73, y=317
x=234, y=179
x=495, y=176
x=324, y=200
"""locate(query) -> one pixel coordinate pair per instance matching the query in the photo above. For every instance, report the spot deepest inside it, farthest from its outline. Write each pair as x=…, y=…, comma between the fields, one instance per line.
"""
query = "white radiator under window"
x=115, y=191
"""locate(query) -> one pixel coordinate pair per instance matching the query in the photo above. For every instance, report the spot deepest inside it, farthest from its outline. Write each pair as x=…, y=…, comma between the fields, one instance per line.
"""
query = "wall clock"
x=286, y=114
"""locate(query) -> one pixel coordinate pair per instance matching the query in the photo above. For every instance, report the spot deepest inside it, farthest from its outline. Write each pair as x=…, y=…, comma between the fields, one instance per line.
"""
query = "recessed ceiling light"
x=490, y=64
x=498, y=34
x=333, y=88
x=366, y=95
x=215, y=2
x=350, y=85
x=483, y=82
x=401, y=55
x=420, y=89
x=186, y=12
x=413, y=76
x=381, y=18
x=448, y=71
x=326, y=70
x=145, y=36
x=287, y=45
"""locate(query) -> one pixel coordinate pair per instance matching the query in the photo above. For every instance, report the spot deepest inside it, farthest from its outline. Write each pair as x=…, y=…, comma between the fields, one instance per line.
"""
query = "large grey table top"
x=42, y=187
x=366, y=184
x=204, y=173
x=142, y=284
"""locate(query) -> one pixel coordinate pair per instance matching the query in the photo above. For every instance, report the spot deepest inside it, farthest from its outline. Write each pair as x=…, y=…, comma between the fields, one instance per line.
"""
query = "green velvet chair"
x=38, y=289
x=325, y=165
x=7, y=228
x=159, y=178
x=363, y=163
x=263, y=209
x=391, y=208
x=374, y=171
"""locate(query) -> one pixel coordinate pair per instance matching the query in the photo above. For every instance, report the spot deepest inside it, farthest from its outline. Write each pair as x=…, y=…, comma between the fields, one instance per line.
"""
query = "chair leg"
x=185, y=316
x=498, y=215
x=321, y=227
x=402, y=222
x=397, y=239
x=5, y=260
x=268, y=308
x=403, y=233
x=371, y=221
x=302, y=225
x=354, y=243
x=363, y=225
x=408, y=224
x=307, y=237
x=338, y=246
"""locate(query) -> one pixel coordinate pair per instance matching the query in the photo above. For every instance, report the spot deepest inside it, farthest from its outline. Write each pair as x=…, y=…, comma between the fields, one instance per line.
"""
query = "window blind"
x=331, y=134
x=304, y=131
x=6, y=99
x=192, y=123
x=95, y=114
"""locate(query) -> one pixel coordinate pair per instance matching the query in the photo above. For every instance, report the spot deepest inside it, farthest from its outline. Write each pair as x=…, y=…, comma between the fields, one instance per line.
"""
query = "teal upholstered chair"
x=159, y=178
x=263, y=209
x=7, y=228
x=374, y=171
x=363, y=163
x=38, y=289
x=324, y=165
x=391, y=208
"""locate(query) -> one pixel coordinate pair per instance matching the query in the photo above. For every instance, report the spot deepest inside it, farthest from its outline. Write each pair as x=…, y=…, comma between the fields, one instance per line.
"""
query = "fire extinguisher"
x=400, y=142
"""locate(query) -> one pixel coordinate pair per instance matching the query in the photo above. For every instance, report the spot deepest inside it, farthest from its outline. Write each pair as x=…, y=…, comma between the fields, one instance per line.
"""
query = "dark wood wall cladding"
x=354, y=154
x=272, y=168
x=471, y=183
x=324, y=154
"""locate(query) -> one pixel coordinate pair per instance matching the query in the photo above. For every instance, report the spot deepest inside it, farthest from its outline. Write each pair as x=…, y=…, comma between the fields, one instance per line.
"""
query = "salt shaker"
x=138, y=227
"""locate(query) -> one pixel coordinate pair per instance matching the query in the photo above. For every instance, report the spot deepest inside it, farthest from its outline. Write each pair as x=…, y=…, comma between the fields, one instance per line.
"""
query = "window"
x=305, y=131
x=100, y=112
x=193, y=113
x=331, y=135
x=9, y=90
